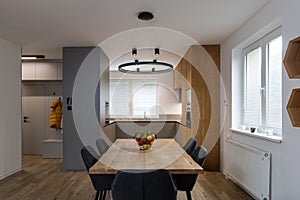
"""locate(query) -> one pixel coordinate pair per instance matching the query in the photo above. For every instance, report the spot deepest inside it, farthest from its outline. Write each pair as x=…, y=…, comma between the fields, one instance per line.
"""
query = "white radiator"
x=250, y=168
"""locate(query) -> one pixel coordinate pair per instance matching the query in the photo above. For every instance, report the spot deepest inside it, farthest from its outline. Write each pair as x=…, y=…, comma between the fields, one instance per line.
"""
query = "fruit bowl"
x=144, y=140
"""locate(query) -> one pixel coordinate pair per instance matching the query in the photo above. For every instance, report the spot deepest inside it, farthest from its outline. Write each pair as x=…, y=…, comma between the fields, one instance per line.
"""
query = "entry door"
x=33, y=116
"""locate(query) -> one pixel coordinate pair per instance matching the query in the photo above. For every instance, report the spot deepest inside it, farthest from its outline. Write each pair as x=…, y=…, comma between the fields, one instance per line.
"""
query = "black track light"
x=156, y=51
x=134, y=52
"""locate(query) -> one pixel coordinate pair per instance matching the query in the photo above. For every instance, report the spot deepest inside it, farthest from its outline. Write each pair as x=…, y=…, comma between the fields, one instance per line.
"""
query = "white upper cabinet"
x=46, y=71
x=28, y=71
x=59, y=71
x=41, y=71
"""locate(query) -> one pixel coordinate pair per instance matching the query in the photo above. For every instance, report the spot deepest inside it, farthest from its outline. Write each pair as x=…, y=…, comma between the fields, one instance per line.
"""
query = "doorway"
x=36, y=133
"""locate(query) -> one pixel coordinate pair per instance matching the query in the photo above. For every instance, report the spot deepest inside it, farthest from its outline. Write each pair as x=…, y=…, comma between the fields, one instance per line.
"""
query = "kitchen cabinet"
x=182, y=80
x=182, y=76
x=28, y=71
x=177, y=76
x=59, y=71
x=186, y=134
x=46, y=70
x=80, y=127
x=199, y=71
x=125, y=130
x=163, y=129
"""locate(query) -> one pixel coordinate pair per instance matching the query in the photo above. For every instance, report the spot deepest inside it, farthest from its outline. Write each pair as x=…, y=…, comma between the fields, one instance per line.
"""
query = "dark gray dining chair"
x=190, y=145
x=144, y=185
x=102, y=146
x=186, y=182
x=101, y=183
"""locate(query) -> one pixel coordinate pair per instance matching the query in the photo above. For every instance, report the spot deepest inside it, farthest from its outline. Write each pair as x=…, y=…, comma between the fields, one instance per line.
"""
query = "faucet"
x=145, y=116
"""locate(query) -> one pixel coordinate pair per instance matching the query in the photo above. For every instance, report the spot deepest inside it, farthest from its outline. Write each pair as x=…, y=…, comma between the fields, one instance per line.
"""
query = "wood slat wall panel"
x=193, y=68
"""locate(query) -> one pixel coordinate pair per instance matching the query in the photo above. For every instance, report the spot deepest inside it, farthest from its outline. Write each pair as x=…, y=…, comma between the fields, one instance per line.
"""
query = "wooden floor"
x=44, y=179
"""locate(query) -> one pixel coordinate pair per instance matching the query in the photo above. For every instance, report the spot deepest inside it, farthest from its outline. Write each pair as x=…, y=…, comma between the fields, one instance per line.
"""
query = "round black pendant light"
x=145, y=67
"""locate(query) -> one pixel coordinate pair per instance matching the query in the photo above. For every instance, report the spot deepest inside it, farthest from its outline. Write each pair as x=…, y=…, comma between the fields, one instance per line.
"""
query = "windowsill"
x=271, y=138
x=133, y=118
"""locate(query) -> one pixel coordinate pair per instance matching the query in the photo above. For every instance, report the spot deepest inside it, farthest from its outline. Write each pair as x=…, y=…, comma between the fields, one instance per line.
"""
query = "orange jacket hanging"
x=56, y=114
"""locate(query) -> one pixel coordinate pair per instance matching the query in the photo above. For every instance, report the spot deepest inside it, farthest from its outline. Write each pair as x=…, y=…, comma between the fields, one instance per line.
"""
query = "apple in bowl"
x=144, y=139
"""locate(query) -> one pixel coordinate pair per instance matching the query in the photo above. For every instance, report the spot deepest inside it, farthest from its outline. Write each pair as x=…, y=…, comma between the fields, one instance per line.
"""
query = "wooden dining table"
x=166, y=154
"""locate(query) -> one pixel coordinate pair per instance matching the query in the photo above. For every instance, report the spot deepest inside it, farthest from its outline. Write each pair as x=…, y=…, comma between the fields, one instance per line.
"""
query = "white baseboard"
x=4, y=175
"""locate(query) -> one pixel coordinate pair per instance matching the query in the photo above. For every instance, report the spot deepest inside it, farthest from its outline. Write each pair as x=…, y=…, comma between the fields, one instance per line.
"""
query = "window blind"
x=252, y=94
x=119, y=99
x=274, y=93
x=133, y=98
x=144, y=99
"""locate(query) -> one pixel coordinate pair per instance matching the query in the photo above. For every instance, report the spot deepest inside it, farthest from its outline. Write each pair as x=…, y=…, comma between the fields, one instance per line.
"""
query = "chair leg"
x=97, y=195
x=188, y=195
x=104, y=195
x=101, y=195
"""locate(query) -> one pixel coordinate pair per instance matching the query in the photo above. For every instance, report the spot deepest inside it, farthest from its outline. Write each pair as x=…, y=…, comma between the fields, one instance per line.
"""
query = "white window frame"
x=131, y=92
x=262, y=43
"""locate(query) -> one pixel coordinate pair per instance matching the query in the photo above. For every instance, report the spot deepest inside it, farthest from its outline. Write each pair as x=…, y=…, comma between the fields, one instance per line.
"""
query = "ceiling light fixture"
x=145, y=67
x=32, y=57
x=134, y=52
x=156, y=51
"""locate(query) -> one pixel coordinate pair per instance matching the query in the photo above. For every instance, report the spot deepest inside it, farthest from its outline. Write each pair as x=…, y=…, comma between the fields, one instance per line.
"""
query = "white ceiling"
x=44, y=26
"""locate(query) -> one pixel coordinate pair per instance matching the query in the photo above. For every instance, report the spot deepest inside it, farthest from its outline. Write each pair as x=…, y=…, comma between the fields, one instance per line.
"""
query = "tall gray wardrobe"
x=85, y=91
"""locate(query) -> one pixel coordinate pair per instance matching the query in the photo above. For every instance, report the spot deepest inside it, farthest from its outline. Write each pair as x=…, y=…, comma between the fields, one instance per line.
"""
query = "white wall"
x=168, y=97
x=10, y=108
x=285, y=160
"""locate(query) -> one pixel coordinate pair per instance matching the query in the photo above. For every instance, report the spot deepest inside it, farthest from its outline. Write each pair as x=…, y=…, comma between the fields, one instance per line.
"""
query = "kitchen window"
x=262, y=91
x=133, y=98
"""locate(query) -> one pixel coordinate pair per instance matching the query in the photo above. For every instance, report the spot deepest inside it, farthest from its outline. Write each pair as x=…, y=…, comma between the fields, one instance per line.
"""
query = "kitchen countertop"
x=110, y=122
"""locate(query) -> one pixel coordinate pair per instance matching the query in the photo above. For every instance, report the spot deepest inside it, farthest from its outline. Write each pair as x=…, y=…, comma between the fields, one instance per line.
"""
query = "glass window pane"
x=274, y=93
x=144, y=99
x=252, y=97
x=119, y=98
